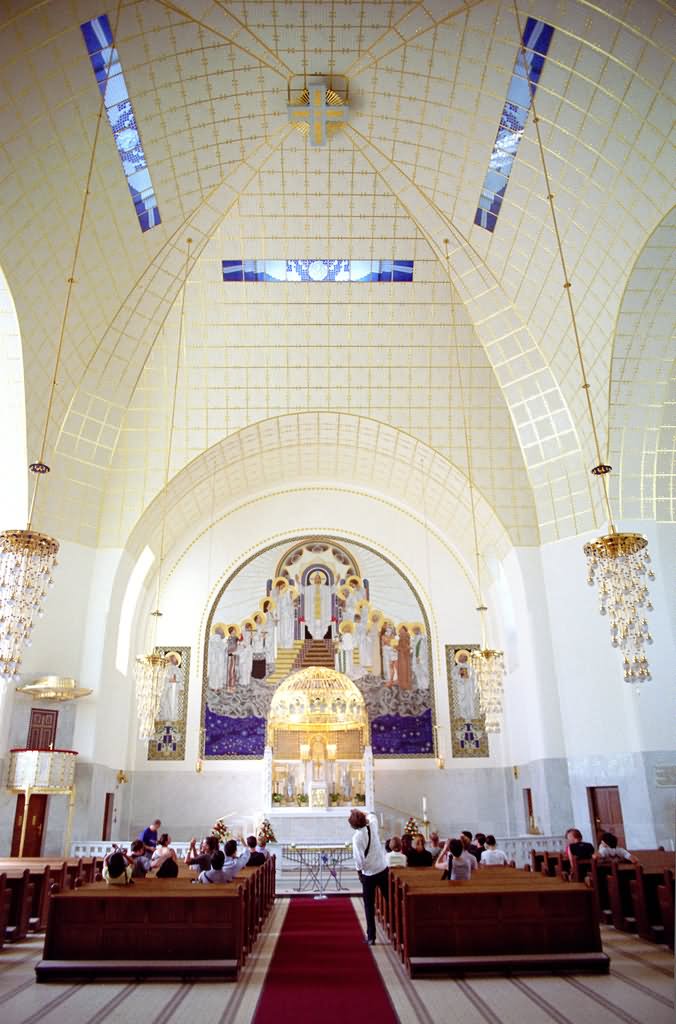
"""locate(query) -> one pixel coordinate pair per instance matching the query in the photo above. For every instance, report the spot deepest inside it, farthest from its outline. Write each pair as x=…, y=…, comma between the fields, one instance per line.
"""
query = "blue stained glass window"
x=107, y=69
x=318, y=270
x=537, y=36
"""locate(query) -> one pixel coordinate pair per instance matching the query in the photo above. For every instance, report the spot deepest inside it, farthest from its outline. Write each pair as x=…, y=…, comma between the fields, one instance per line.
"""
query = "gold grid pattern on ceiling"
x=257, y=351
x=208, y=87
x=643, y=385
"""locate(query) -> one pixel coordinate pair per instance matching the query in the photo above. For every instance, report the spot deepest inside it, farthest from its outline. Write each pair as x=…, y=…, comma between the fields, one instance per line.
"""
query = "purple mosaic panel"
x=402, y=734
x=234, y=737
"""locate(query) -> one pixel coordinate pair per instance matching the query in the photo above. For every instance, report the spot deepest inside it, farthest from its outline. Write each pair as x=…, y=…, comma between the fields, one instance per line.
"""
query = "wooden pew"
x=499, y=926
x=665, y=898
x=156, y=928
x=580, y=867
x=622, y=874
x=5, y=900
x=643, y=889
x=554, y=863
x=424, y=879
x=21, y=889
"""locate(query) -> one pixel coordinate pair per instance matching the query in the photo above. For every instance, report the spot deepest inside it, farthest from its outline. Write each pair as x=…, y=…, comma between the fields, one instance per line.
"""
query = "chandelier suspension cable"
x=27, y=557
x=600, y=469
x=40, y=468
x=172, y=423
x=488, y=664
x=618, y=562
x=149, y=670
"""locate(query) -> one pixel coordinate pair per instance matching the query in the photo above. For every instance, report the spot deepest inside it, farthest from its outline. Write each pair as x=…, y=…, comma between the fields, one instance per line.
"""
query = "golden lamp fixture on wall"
x=59, y=688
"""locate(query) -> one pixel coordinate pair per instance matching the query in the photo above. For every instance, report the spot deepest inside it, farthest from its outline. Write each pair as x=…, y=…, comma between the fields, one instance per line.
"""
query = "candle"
x=424, y=806
x=382, y=819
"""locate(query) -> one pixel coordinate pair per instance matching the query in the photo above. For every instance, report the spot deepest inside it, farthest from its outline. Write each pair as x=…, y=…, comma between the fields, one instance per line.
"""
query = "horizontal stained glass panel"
x=318, y=270
x=537, y=36
x=107, y=69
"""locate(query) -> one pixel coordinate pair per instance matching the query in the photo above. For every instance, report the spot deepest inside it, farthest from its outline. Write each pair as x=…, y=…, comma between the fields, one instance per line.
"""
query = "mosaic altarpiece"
x=468, y=726
x=168, y=742
x=317, y=601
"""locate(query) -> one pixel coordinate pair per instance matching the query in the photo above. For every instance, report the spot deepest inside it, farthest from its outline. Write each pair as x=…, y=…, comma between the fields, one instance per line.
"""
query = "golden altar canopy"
x=318, y=703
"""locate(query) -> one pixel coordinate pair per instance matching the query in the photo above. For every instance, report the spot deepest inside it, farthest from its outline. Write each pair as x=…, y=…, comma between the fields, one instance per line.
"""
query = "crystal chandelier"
x=489, y=672
x=26, y=563
x=149, y=675
x=149, y=669
x=617, y=562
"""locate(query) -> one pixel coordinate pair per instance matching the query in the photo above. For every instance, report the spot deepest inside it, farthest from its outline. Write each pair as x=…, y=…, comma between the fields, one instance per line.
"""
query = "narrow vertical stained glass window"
x=317, y=270
x=528, y=67
x=105, y=62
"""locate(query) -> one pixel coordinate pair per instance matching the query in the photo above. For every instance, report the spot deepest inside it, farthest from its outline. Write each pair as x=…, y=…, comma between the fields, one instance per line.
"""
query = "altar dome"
x=317, y=700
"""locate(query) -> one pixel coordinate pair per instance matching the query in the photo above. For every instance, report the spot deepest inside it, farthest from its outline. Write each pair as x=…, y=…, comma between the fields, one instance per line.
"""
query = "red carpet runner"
x=322, y=971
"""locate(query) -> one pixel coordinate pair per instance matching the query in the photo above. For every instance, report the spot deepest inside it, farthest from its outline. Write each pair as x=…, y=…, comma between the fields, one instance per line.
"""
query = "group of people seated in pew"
x=153, y=853
x=608, y=849
x=457, y=858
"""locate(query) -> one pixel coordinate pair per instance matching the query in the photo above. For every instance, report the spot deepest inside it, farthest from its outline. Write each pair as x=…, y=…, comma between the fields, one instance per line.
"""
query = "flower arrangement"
x=277, y=798
x=302, y=799
x=334, y=799
x=411, y=828
x=266, y=832
x=221, y=831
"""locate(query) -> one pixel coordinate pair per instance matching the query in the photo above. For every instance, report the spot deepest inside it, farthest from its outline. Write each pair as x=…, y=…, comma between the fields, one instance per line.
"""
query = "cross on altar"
x=321, y=111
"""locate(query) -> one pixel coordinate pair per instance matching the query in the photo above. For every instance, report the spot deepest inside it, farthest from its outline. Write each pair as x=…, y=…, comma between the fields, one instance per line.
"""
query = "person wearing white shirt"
x=609, y=850
x=369, y=859
x=492, y=856
x=395, y=858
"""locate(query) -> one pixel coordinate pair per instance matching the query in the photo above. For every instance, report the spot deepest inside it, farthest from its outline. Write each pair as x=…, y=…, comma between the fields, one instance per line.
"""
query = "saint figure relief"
x=464, y=687
x=172, y=691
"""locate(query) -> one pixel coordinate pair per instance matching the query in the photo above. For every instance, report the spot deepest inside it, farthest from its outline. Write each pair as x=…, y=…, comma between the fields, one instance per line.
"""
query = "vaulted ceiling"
x=477, y=350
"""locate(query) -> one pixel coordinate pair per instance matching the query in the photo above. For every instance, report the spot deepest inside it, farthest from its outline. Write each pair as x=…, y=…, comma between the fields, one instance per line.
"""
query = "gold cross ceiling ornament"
x=318, y=112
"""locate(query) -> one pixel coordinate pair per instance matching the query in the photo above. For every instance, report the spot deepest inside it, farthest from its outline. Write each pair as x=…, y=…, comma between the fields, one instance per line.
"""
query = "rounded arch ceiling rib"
x=289, y=453
x=642, y=392
x=539, y=411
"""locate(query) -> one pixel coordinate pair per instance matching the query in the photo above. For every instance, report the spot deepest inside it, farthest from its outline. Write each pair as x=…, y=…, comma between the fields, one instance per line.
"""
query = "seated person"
x=261, y=847
x=492, y=857
x=116, y=868
x=140, y=862
x=256, y=857
x=460, y=863
x=470, y=847
x=609, y=850
x=480, y=842
x=419, y=857
x=576, y=846
x=215, y=873
x=406, y=844
x=201, y=861
x=395, y=858
x=435, y=845
x=168, y=868
x=149, y=836
x=234, y=864
x=163, y=851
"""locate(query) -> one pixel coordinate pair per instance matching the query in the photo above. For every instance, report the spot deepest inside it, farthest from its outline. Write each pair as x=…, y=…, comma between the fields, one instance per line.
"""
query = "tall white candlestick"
x=424, y=806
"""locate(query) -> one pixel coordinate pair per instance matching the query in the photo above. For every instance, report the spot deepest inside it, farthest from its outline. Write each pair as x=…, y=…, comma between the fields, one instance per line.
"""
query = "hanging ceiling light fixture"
x=618, y=563
x=149, y=670
x=488, y=664
x=28, y=558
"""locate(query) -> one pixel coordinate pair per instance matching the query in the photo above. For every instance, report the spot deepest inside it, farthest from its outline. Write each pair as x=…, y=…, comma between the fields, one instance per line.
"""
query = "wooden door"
x=106, y=831
x=42, y=729
x=605, y=811
x=37, y=812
